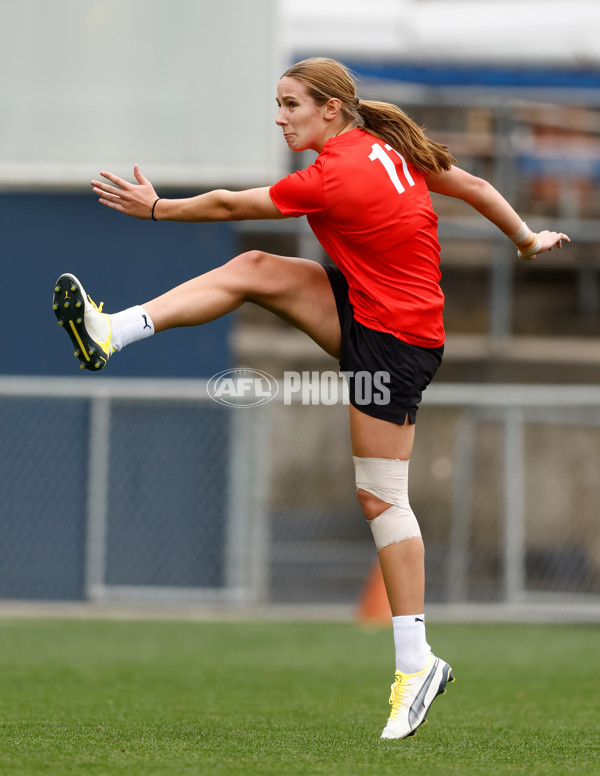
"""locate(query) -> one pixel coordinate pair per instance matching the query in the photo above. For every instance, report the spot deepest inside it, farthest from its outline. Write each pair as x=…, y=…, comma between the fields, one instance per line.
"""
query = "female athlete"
x=378, y=308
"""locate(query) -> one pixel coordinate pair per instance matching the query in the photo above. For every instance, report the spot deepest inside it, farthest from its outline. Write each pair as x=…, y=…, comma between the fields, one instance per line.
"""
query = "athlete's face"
x=304, y=123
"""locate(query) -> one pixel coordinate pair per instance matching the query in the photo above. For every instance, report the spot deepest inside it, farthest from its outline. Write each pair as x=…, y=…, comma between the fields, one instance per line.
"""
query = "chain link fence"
x=128, y=489
x=131, y=490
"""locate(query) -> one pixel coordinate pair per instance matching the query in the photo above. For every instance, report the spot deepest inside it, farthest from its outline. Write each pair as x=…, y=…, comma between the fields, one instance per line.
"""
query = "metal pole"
x=237, y=528
x=503, y=255
x=259, y=503
x=514, y=518
x=97, y=500
x=462, y=495
x=247, y=534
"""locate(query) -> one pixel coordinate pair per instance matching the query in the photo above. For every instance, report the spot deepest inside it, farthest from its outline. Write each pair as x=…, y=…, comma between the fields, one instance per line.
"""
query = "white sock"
x=412, y=649
x=130, y=326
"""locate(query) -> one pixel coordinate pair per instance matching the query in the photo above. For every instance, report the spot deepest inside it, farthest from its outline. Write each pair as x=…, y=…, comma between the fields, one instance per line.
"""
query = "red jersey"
x=371, y=211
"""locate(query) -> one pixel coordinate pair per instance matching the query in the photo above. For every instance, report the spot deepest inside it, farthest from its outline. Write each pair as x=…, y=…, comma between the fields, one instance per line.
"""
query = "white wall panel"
x=185, y=88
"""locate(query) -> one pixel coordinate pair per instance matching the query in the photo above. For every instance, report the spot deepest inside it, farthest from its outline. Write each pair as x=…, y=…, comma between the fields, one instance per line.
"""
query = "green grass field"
x=113, y=697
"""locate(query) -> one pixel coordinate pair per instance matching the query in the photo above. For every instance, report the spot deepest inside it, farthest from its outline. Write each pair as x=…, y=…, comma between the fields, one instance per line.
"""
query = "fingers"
x=103, y=189
x=138, y=174
x=558, y=239
x=119, y=187
x=122, y=184
x=552, y=240
x=114, y=204
x=132, y=199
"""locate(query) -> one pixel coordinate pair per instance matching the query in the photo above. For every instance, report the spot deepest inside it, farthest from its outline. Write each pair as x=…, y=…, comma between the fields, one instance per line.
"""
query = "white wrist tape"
x=522, y=235
x=387, y=478
x=527, y=242
x=530, y=252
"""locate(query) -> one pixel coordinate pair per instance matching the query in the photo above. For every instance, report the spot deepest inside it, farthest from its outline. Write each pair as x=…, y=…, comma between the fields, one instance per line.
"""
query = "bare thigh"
x=375, y=438
x=296, y=290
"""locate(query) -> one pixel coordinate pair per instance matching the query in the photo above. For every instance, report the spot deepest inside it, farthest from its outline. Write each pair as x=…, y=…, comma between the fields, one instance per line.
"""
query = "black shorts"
x=386, y=376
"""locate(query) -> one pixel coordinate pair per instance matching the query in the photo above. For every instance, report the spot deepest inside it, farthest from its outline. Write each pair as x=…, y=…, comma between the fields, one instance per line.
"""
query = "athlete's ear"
x=332, y=108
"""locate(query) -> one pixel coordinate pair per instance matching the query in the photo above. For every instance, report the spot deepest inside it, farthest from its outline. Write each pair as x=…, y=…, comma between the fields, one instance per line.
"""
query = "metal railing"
x=241, y=573
x=230, y=489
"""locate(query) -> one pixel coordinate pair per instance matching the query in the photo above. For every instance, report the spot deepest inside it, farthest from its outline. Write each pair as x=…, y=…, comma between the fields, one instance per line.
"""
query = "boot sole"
x=68, y=304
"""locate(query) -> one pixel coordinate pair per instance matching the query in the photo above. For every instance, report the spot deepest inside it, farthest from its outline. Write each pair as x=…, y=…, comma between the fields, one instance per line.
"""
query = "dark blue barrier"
x=120, y=261
x=167, y=498
x=43, y=481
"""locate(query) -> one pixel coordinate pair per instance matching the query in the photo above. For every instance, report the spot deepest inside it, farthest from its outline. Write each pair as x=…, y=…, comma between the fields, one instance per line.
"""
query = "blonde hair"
x=326, y=79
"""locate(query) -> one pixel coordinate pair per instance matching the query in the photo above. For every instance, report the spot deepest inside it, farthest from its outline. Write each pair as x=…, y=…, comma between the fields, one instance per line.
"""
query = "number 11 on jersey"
x=377, y=153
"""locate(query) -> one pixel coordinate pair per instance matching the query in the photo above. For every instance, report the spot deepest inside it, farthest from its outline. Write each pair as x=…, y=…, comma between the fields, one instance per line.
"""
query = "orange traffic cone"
x=373, y=605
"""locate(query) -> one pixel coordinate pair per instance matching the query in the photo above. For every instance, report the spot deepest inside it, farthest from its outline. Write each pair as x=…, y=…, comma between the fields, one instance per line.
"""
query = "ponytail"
x=390, y=124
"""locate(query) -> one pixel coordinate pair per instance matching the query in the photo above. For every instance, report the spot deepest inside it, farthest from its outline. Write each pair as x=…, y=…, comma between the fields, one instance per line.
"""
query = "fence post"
x=503, y=262
x=259, y=460
x=97, y=497
x=462, y=495
x=247, y=535
x=514, y=517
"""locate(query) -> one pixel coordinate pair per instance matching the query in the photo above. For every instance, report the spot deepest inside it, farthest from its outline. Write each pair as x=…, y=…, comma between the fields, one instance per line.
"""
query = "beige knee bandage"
x=387, y=479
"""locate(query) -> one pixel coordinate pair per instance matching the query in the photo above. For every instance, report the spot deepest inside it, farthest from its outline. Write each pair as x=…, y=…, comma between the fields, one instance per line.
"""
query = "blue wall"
x=119, y=260
x=164, y=460
x=43, y=476
x=167, y=499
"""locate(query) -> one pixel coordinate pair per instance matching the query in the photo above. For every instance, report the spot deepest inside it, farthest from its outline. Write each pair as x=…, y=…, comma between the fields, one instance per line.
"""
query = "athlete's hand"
x=548, y=241
x=133, y=199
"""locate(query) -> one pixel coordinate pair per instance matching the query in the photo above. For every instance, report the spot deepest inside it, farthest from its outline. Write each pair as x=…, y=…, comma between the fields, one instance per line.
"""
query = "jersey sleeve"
x=300, y=193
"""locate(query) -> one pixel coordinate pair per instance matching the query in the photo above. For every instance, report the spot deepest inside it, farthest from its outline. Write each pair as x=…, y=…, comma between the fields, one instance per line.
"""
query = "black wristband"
x=153, y=206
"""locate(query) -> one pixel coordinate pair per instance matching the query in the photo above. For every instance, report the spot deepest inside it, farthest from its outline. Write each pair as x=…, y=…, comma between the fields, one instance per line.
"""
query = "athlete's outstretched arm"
x=139, y=200
x=488, y=201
